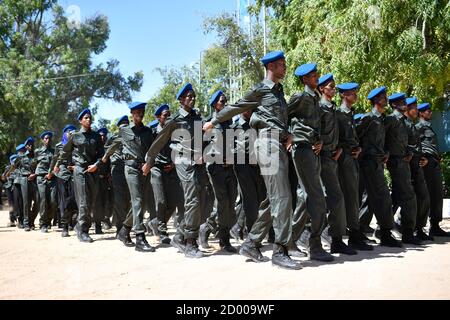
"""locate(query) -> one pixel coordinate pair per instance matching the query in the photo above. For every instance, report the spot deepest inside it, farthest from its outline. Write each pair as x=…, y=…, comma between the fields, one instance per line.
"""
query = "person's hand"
x=31, y=177
x=288, y=143
x=146, y=169
x=56, y=170
x=408, y=158
x=317, y=148
x=49, y=176
x=208, y=126
x=168, y=168
x=356, y=152
x=337, y=154
x=423, y=162
x=92, y=168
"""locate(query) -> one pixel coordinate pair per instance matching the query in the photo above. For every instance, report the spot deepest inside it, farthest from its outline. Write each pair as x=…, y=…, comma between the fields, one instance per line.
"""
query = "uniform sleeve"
x=250, y=101
x=66, y=152
x=161, y=140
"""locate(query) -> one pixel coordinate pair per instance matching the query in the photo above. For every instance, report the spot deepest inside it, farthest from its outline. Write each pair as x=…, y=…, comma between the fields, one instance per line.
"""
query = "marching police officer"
x=85, y=150
x=104, y=202
x=121, y=194
x=221, y=174
x=46, y=182
x=135, y=140
x=371, y=133
x=188, y=144
x=270, y=118
x=165, y=182
x=329, y=156
x=348, y=164
x=304, y=114
x=66, y=191
x=432, y=171
x=417, y=163
x=9, y=188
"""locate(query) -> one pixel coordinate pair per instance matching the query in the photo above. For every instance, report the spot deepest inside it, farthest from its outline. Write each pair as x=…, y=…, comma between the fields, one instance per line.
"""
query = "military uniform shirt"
x=396, y=135
x=329, y=128
x=428, y=139
x=371, y=134
x=44, y=157
x=348, y=138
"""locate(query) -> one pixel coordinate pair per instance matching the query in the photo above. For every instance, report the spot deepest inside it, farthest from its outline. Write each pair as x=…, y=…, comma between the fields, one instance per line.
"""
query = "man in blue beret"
x=330, y=154
x=104, y=201
x=135, y=140
x=417, y=163
x=67, y=204
x=121, y=194
x=46, y=182
x=304, y=116
x=24, y=164
x=400, y=155
x=270, y=110
x=8, y=185
x=348, y=163
x=220, y=170
x=165, y=182
x=371, y=133
x=432, y=171
x=187, y=142
x=86, y=151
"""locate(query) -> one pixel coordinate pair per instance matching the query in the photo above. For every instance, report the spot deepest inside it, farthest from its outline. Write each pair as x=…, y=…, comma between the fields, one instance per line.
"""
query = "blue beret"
x=215, y=97
x=122, y=119
x=153, y=124
x=13, y=157
x=161, y=109
x=423, y=107
x=69, y=127
x=376, y=92
x=20, y=147
x=84, y=112
x=137, y=105
x=304, y=69
x=46, y=133
x=347, y=86
x=410, y=101
x=187, y=87
x=325, y=78
x=358, y=116
x=102, y=130
x=396, y=97
x=272, y=56
x=29, y=140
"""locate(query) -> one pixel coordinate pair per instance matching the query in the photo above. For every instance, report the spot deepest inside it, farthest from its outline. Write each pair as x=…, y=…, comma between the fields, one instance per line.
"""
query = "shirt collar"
x=325, y=102
x=345, y=108
x=242, y=121
x=425, y=122
x=310, y=91
x=269, y=83
x=375, y=112
x=398, y=114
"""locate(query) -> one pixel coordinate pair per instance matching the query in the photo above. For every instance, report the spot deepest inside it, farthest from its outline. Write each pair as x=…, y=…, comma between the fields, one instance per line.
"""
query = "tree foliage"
x=404, y=45
x=46, y=70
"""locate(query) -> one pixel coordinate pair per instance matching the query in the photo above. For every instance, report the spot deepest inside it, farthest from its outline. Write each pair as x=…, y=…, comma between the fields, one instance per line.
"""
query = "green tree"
x=404, y=45
x=46, y=71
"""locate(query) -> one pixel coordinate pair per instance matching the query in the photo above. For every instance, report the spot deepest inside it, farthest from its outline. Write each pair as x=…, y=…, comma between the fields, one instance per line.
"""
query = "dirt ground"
x=45, y=266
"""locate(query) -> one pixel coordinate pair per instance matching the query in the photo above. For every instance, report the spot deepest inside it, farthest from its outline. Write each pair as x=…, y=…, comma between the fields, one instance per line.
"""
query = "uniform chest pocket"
x=79, y=140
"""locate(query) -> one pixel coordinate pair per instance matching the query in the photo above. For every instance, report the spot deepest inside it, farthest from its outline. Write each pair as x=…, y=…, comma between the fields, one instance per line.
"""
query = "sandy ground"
x=45, y=266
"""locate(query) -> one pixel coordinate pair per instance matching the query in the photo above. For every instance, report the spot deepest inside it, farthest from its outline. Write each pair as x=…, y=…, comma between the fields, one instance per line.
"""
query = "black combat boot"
x=408, y=237
x=295, y=251
x=85, y=238
x=338, y=246
x=280, y=258
x=423, y=236
x=387, y=240
x=65, y=231
x=142, y=244
x=224, y=242
x=153, y=225
x=357, y=241
x=192, y=250
x=436, y=231
x=98, y=228
x=316, y=251
x=249, y=249
x=204, y=232
x=124, y=236
x=179, y=242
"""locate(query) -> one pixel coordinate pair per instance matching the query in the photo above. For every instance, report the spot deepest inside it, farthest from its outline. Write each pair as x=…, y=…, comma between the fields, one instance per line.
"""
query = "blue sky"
x=146, y=34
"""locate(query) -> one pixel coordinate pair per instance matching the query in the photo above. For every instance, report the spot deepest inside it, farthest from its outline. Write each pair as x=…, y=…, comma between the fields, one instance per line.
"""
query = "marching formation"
x=298, y=172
